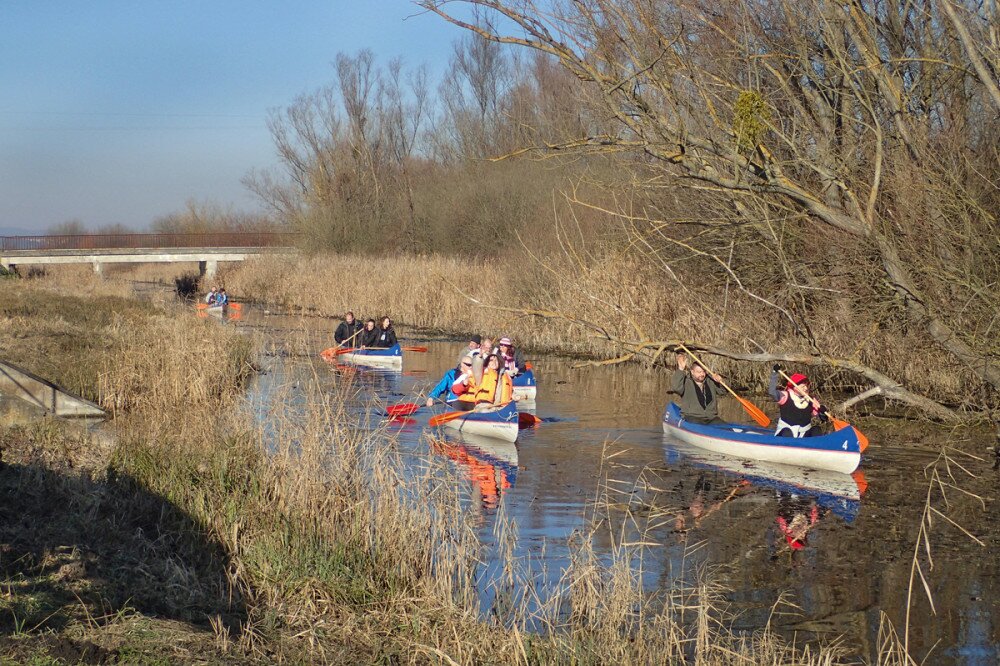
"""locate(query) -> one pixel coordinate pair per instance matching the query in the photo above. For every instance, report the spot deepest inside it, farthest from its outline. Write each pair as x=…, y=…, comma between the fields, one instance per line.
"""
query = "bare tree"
x=856, y=132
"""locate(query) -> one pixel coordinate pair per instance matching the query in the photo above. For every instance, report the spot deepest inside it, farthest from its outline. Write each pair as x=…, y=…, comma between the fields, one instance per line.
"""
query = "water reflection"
x=490, y=465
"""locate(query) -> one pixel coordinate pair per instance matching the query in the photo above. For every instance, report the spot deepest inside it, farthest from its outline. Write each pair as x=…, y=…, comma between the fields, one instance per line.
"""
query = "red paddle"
x=415, y=349
x=402, y=409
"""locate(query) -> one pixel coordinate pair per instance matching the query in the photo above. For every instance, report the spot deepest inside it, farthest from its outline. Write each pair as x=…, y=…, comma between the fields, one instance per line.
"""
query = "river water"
x=744, y=523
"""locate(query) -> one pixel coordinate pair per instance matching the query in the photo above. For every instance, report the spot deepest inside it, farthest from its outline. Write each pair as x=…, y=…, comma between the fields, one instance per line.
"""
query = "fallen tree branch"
x=651, y=350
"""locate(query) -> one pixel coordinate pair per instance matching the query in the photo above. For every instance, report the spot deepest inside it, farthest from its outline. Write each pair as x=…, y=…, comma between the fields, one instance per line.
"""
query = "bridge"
x=99, y=249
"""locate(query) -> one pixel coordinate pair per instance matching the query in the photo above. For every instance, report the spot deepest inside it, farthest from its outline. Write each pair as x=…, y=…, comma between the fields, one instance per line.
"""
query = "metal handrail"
x=148, y=241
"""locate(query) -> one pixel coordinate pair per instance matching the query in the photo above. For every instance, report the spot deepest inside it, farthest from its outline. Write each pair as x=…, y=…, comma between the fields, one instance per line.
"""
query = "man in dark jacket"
x=699, y=393
x=347, y=329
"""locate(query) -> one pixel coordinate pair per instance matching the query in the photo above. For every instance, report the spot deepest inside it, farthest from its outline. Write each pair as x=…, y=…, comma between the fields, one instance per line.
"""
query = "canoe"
x=524, y=385
x=838, y=451
x=498, y=423
x=375, y=358
x=840, y=493
x=231, y=310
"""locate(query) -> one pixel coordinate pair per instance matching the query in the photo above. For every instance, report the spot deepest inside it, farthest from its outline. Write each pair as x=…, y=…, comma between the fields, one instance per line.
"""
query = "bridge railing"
x=147, y=241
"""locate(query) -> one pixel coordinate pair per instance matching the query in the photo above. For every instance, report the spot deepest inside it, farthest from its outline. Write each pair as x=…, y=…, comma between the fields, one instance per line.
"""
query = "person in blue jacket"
x=442, y=390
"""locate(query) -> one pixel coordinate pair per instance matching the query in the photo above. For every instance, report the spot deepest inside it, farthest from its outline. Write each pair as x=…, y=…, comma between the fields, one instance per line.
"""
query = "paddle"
x=751, y=409
x=447, y=416
x=402, y=409
x=415, y=349
x=407, y=408
x=526, y=420
x=838, y=424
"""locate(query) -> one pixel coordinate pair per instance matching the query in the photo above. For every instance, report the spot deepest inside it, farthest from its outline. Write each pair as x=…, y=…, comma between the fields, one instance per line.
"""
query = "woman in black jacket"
x=369, y=336
x=386, y=335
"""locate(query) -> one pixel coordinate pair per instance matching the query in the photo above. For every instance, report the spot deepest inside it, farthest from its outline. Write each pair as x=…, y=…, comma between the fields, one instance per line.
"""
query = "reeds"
x=621, y=296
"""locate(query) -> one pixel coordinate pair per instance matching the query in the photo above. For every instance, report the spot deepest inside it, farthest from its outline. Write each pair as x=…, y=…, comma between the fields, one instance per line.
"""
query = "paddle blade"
x=838, y=424
x=402, y=409
x=444, y=418
x=415, y=349
x=755, y=413
x=328, y=354
x=526, y=420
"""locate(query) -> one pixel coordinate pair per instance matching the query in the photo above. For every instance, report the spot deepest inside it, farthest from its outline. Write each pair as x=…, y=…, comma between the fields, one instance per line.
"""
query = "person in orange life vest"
x=513, y=360
x=465, y=386
x=496, y=387
x=796, y=408
x=443, y=389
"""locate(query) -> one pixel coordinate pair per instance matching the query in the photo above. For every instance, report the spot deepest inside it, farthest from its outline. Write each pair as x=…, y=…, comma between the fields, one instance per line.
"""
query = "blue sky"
x=118, y=112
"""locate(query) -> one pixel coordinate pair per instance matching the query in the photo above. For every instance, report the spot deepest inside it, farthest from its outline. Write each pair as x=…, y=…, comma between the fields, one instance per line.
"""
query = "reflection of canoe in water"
x=500, y=423
x=838, y=451
x=375, y=358
x=524, y=386
x=490, y=464
x=839, y=492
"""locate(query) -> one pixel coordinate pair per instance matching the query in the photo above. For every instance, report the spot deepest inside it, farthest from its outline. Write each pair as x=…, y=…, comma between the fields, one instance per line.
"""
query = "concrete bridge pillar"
x=208, y=268
x=98, y=269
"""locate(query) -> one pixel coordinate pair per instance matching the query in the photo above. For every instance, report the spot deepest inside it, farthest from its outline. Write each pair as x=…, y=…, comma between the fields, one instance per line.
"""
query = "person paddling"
x=796, y=408
x=210, y=297
x=465, y=386
x=699, y=393
x=347, y=329
x=443, y=389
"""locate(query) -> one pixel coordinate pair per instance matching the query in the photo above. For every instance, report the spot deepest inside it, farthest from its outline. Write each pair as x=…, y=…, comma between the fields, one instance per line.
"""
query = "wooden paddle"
x=415, y=349
x=753, y=410
x=838, y=424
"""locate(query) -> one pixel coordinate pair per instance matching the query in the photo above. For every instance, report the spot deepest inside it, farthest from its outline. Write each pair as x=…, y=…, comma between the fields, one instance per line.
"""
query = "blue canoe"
x=524, y=386
x=499, y=423
x=838, y=451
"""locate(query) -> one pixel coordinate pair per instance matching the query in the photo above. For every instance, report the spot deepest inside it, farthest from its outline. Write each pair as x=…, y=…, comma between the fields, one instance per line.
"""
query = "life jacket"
x=465, y=387
x=487, y=390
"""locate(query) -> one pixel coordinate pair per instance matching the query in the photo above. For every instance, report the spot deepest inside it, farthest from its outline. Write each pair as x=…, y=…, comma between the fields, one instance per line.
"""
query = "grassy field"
x=179, y=539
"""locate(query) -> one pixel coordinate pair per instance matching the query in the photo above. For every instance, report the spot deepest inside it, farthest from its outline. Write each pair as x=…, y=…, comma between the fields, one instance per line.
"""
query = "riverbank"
x=184, y=541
